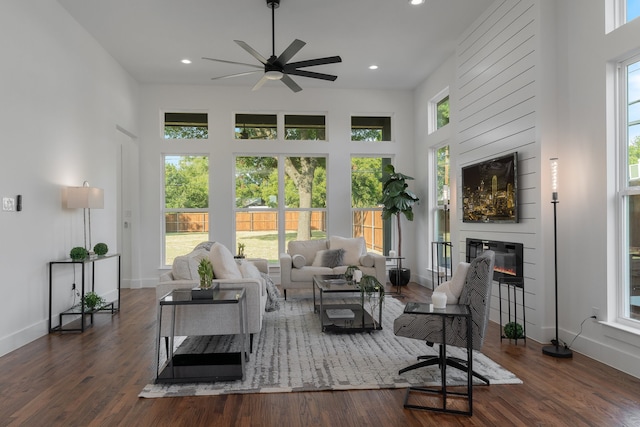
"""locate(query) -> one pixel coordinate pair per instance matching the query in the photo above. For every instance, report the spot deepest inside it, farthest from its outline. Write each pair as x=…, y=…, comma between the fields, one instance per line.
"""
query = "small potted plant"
x=101, y=249
x=93, y=301
x=205, y=271
x=348, y=274
x=241, y=247
x=78, y=253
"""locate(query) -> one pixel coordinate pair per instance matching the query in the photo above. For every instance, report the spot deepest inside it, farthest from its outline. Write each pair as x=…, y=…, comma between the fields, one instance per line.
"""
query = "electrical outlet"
x=8, y=204
x=595, y=311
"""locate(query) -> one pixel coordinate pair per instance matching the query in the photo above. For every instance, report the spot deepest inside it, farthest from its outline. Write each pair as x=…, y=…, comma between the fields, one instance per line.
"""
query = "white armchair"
x=305, y=259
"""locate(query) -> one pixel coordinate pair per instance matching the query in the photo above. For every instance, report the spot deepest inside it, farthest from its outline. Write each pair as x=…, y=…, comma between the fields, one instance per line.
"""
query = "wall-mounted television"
x=490, y=190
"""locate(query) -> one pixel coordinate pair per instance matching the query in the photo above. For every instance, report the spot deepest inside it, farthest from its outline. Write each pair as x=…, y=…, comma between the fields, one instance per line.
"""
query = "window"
x=279, y=199
x=256, y=126
x=370, y=128
x=441, y=211
x=186, y=203
x=632, y=10
x=442, y=113
x=366, y=193
x=307, y=128
x=438, y=111
x=186, y=126
x=629, y=196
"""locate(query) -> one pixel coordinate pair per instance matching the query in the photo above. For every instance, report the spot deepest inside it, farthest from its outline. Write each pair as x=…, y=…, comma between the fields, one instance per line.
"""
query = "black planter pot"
x=399, y=277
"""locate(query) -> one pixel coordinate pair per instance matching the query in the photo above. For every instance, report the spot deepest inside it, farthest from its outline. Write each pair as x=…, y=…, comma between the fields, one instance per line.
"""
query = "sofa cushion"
x=329, y=258
x=298, y=261
x=353, y=248
x=224, y=265
x=204, y=245
x=306, y=248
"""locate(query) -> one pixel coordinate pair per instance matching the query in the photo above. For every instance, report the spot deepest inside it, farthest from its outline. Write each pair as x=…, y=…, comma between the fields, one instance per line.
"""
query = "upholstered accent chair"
x=476, y=293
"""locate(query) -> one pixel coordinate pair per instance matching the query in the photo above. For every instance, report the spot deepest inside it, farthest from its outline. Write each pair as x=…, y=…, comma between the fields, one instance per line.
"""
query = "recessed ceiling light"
x=416, y=2
x=373, y=67
x=186, y=61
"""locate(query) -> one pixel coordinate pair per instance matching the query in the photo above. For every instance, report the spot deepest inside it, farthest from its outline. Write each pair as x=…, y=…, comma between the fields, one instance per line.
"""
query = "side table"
x=203, y=366
x=454, y=310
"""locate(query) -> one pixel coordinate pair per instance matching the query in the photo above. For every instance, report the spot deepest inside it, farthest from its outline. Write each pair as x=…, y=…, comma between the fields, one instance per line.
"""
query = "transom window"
x=186, y=126
x=256, y=126
x=374, y=128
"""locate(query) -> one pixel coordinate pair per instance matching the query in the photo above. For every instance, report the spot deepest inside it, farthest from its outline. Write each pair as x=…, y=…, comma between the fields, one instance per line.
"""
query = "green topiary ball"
x=78, y=253
x=513, y=330
x=101, y=249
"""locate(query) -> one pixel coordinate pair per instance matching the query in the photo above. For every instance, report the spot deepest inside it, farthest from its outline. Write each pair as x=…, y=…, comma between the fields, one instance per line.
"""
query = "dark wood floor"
x=93, y=379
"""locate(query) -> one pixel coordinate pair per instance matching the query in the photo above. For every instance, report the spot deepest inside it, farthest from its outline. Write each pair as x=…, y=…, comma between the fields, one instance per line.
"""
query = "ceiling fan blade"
x=262, y=81
x=288, y=53
x=251, y=50
x=312, y=62
x=312, y=75
x=233, y=62
x=246, y=73
x=289, y=82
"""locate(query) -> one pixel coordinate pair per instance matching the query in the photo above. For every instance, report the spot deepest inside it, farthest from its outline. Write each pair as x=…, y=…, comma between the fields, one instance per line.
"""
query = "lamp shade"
x=85, y=197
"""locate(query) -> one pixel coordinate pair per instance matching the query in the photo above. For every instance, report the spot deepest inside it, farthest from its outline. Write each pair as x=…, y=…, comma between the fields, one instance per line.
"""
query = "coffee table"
x=344, y=317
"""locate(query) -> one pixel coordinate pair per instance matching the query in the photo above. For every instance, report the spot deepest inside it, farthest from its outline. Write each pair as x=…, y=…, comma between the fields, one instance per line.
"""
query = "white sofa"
x=305, y=259
x=215, y=319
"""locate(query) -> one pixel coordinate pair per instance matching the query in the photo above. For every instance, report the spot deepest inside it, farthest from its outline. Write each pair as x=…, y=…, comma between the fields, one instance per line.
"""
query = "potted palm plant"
x=397, y=200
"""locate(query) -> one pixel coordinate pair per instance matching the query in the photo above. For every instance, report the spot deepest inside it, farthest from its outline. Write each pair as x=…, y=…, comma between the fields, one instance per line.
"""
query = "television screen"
x=490, y=190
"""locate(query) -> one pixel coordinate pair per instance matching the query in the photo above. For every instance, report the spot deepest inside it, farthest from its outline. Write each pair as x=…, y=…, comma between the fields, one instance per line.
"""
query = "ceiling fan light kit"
x=279, y=67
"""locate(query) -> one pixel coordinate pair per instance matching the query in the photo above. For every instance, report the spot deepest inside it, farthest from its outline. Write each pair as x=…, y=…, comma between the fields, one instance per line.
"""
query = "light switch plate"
x=8, y=204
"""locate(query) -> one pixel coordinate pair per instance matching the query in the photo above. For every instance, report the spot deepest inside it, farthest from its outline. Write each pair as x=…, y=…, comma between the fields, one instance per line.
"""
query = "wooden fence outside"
x=367, y=224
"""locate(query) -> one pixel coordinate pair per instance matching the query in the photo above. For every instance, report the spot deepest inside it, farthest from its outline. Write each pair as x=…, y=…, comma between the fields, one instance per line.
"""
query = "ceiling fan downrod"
x=273, y=5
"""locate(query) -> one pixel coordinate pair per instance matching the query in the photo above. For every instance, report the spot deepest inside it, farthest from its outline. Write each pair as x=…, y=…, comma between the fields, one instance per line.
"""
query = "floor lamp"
x=555, y=350
x=87, y=198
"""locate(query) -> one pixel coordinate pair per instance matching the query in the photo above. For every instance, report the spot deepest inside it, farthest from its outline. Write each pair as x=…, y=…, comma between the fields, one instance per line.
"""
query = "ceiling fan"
x=279, y=68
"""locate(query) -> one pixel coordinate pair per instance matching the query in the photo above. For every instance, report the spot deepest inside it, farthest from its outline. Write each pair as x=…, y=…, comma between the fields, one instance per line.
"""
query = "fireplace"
x=508, y=256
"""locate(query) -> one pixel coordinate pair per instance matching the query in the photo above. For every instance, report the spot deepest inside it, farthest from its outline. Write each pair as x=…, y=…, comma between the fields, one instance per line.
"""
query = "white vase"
x=439, y=299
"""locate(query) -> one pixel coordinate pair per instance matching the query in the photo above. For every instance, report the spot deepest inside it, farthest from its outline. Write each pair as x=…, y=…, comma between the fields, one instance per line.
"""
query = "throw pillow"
x=354, y=248
x=453, y=287
x=224, y=265
x=367, y=260
x=249, y=270
x=180, y=268
x=298, y=261
x=204, y=245
x=332, y=258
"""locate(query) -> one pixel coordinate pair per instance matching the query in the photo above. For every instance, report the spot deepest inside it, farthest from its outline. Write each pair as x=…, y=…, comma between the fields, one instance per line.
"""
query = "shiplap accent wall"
x=496, y=93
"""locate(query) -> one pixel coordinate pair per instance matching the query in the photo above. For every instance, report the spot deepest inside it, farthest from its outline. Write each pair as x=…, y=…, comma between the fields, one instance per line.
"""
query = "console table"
x=80, y=309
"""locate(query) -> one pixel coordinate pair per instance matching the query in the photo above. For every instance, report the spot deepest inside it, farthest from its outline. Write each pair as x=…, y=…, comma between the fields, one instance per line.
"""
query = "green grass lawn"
x=258, y=244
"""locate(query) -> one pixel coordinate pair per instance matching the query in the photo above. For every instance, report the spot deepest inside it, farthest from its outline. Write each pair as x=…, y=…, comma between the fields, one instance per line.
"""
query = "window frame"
x=624, y=192
x=440, y=205
x=386, y=243
x=164, y=210
x=432, y=110
x=281, y=209
x=163, y=124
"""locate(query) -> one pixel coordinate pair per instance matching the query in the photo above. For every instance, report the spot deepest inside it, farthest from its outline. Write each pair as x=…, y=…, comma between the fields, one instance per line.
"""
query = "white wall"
x=586, y=142
x=221, y=103
x=62, y=97
x=544, y=96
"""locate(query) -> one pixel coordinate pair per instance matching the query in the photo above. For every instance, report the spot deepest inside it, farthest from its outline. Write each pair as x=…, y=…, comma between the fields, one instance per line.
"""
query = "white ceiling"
x=150, y=37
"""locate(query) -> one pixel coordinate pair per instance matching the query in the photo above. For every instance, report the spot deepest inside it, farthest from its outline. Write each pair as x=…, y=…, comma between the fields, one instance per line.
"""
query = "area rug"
x=291, y=354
